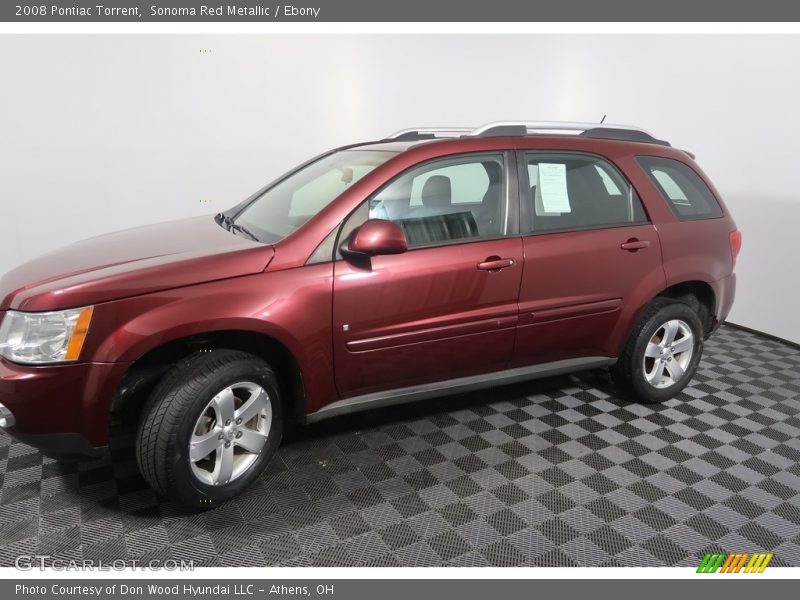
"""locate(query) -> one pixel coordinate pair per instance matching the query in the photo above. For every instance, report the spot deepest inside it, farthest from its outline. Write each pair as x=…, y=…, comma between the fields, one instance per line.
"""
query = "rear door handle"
x=632, y=245
x=495, y=263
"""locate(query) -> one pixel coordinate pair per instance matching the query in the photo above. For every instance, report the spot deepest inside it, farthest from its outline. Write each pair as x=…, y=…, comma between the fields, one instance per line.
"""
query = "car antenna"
x=603, y=119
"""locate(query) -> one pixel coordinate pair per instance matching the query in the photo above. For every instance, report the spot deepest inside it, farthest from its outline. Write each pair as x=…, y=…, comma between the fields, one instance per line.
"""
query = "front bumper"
x=61, y=409
x=64, y=446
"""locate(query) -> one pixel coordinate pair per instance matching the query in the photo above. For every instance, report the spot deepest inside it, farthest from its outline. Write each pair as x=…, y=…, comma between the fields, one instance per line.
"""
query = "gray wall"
x=99, y=133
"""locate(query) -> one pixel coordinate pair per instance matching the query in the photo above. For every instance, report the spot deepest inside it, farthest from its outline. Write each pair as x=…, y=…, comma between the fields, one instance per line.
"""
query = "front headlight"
x=46, y=337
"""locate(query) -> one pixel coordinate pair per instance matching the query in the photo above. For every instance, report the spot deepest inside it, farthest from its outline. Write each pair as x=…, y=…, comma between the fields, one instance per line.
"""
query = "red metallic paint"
x=131, y=263
x=423, y=315
x=62, y=398
x=598, y=288
x=428, y=314
x=378, y=236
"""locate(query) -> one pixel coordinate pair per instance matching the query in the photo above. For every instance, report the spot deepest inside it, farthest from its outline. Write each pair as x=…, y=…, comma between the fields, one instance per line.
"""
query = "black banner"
x=405, y=11
x=731, y=588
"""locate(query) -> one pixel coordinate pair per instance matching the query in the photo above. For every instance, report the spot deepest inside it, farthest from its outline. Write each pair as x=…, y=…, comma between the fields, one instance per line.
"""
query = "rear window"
x=686, y=193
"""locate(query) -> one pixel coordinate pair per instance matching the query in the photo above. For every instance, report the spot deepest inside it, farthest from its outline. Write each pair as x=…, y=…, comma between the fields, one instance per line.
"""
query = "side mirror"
x=374, y=238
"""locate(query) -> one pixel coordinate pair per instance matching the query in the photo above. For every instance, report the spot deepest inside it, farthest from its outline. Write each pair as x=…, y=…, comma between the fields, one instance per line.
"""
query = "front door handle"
x=495, y=263
x=632, y=245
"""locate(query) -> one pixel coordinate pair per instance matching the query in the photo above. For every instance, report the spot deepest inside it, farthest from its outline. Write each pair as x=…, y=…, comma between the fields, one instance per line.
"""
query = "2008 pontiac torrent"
x=431, y=262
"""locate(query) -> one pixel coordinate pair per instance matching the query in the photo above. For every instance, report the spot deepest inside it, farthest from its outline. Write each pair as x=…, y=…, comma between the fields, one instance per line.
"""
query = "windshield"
x=286, y=206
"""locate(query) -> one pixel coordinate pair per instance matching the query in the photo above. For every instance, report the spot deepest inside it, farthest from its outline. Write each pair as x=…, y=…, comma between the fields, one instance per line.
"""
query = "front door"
x=447, y=307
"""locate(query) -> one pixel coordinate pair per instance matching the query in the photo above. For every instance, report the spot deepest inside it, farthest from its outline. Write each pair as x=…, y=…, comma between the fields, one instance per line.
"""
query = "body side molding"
x=456, y=386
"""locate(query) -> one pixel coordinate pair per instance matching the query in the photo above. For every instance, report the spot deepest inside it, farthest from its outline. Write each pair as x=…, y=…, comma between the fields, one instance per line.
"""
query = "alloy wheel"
x=229, y=435
x=668, y=354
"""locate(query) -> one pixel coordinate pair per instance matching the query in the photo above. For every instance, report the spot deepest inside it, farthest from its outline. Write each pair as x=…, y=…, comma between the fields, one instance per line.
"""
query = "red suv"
x=426, y=263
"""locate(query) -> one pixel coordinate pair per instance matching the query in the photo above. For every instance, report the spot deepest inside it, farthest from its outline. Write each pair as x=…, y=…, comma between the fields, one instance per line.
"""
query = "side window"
x=446, y=200
x=578, y=192
x=470, y=182
x=686, y=193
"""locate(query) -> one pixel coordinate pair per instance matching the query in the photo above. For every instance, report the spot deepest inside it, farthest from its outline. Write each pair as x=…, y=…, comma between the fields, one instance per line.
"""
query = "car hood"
x=130, y=263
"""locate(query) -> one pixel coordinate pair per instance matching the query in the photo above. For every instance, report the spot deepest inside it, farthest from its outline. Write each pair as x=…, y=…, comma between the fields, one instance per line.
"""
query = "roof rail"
x=516, y=128
x=593, y=130
x=422, y=133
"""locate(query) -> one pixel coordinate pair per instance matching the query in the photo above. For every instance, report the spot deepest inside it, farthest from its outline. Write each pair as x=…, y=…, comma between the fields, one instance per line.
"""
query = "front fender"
x=293, y=307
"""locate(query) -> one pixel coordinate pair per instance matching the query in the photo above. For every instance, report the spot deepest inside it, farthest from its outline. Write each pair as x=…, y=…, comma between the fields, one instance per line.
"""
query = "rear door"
x=447, y=307
x=590, y=252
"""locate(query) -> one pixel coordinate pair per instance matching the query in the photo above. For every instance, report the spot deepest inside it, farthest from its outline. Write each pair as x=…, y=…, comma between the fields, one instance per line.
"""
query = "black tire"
x=169, y=418
x=629, y=372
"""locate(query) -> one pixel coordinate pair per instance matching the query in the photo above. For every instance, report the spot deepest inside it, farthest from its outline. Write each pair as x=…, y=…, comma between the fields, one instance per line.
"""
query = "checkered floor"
x=557, y=472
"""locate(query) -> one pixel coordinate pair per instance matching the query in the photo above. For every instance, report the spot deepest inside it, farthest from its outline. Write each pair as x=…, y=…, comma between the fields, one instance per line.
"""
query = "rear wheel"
x=210, y=427
x=662, y=352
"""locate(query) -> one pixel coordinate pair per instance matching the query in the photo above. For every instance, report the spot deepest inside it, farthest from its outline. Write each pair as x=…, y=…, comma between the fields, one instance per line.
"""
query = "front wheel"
x=210, y=427
x=662, y=352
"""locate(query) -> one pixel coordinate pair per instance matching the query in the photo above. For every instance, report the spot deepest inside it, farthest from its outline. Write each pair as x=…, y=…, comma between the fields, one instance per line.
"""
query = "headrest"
x=436, y=192
x=494, y=171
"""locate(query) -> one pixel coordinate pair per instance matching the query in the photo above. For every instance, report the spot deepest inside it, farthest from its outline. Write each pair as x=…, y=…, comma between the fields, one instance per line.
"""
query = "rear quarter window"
x=686, y=193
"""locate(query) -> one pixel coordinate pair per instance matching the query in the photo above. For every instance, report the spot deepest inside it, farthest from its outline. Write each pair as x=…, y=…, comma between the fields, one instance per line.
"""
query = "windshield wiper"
x=228, y=223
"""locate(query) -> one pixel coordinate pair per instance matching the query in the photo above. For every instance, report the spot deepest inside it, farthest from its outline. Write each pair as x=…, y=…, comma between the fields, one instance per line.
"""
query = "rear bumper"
x=61, y=409
x=724, y=292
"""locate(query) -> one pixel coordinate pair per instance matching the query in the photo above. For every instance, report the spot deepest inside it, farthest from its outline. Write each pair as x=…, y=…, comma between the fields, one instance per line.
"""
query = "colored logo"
x=734, y=563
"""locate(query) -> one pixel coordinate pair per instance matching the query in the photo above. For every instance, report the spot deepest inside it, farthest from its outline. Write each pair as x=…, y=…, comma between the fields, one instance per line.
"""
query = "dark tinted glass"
x=448, y=200
x=572, y=191
x=685, y=192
